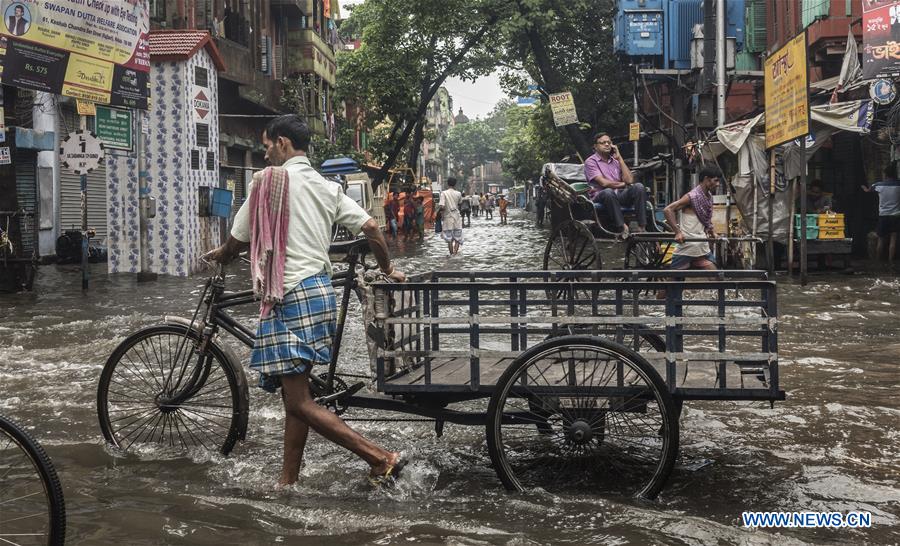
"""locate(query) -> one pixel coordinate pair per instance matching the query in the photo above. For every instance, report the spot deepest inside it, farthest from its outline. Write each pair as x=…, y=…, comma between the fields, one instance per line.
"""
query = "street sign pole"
x=85, y=238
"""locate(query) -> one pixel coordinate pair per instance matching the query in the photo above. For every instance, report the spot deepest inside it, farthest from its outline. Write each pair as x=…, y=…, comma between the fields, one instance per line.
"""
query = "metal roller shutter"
x=70, y=190
x=25, y=162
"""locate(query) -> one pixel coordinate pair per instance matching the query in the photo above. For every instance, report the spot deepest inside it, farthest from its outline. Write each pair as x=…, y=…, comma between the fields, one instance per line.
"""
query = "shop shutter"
x=25, y=162
x=70, y=189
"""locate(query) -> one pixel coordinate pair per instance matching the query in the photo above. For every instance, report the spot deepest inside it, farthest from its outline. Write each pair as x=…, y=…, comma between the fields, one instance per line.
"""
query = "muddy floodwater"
x=833, y=445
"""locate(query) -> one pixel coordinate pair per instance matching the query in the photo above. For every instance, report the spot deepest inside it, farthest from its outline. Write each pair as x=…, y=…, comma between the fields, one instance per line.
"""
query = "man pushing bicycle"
x=286, y=223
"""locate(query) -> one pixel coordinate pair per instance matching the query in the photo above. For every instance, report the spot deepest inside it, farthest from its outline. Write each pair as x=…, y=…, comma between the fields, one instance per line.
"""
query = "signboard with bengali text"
x=94, y=50
x=787, y=92
x=114, y=127
x=881, y=38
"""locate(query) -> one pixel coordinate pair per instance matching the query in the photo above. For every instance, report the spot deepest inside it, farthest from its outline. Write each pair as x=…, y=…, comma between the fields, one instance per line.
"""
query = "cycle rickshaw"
x=577, y=385
x=580, y=230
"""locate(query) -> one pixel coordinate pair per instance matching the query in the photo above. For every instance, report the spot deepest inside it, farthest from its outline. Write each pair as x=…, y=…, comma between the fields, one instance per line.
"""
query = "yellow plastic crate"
x=831, y=233
x=831, y=221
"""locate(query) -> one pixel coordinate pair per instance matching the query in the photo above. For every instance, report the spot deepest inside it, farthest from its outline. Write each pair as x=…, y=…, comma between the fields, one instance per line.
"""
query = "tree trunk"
x=415, y=149
x=553, y=83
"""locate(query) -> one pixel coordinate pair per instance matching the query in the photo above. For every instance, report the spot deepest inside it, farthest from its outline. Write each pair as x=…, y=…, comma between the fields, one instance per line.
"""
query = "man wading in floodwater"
x=286, y=221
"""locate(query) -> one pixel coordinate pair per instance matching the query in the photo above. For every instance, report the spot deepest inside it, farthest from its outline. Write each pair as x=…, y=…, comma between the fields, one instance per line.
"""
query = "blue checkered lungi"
x=297, y=333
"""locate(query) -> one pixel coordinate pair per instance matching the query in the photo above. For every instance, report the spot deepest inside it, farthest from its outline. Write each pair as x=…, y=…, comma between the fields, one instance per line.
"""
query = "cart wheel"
x=646, y=254
x=605, y=420
x=151, y=364
x=572, y=246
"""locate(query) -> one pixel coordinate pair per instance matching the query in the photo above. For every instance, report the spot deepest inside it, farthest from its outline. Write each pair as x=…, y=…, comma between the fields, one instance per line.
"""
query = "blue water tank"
x=639, y=29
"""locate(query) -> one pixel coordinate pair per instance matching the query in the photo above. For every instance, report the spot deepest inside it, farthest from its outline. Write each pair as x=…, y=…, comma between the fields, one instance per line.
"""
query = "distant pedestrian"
x=395, y=214
x=482, y=204
x=502, y=204
x=489, y=207
x=451, y=219
x=540, y=202
x=409, y=216
x=888, y=211
x=390, y=222
x=420, y=216
x=465, y=210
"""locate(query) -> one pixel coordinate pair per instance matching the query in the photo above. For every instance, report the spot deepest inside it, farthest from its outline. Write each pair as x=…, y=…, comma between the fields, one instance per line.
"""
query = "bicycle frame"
x=215, y=316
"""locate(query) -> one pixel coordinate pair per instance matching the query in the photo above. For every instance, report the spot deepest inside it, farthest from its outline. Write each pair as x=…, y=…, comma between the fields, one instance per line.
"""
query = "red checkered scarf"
x=702, y=203
x=269, y=217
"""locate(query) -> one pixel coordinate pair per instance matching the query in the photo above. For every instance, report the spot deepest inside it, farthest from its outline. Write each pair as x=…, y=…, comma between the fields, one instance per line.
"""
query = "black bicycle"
x=32, y=508
x=176, y=385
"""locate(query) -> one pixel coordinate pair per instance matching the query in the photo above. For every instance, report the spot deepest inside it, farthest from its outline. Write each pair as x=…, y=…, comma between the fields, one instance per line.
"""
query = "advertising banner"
x=787, y=93
x=881, y=38
x=93, y=50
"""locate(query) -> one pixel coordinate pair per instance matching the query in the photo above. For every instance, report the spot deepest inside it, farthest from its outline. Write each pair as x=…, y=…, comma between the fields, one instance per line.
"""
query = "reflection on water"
x=831, y=446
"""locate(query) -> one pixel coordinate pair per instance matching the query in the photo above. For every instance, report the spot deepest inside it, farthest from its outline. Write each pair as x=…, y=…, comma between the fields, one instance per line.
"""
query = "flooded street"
x=831, y=446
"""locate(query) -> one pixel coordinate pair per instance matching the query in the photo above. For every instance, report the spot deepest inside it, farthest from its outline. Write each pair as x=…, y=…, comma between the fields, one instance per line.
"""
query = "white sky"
x=477, y=99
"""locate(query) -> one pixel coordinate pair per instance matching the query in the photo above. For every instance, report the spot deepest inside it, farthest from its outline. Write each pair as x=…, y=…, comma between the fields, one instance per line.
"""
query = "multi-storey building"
x=434, y=160
x=267, y=46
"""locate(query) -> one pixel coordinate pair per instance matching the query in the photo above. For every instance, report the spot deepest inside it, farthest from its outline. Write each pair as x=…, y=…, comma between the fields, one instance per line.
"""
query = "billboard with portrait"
x=94, y=50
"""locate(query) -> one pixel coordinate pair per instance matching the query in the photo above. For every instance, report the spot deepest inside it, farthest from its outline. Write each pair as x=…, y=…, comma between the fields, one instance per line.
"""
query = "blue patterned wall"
x=178, y=236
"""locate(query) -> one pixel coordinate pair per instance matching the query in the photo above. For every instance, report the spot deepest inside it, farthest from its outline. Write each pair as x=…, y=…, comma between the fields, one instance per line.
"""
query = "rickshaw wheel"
x=607, y=421
x=572, y=246
x=645, y=254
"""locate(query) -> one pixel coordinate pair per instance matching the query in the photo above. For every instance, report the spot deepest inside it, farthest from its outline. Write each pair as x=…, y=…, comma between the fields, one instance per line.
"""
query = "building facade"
x=434, y=160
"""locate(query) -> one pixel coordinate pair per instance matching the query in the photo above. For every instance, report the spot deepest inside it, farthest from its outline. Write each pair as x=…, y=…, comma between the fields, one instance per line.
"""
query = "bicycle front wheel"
x=32, y=509
x=134, y=398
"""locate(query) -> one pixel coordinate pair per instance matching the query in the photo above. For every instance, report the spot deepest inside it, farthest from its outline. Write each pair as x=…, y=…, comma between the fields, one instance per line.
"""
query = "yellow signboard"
x=634, y=131
x=563, y=107
x=86, y=108
x=787, y=93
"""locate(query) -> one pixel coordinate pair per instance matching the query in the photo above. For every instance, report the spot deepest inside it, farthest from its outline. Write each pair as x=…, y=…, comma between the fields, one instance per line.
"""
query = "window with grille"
x=201, y=76
x=210, y=161
x=203, y=135
x=195, y=160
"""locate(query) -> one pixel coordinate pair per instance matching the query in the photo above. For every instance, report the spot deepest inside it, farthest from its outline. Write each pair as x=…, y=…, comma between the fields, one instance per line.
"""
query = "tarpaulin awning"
x=854, y=116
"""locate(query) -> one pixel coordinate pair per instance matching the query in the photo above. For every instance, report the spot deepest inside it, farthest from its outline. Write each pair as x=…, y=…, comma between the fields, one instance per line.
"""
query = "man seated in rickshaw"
x=613, y=186
x=696, y=209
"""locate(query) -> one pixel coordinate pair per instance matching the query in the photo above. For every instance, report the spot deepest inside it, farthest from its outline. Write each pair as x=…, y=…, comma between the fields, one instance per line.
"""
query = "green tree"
x=530, y=140
x=409, y=48
x=472, y=144
x=566, y=45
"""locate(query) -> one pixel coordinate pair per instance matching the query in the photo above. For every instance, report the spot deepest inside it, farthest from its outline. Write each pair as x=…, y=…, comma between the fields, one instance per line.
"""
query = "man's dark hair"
x=291, y=127
x=710, y=171
x=598, y=136
x=451, y=182
x=20, y=8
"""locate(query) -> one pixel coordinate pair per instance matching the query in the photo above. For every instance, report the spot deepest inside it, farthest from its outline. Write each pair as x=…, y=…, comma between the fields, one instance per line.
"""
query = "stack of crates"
x=831, y=226
x=812, y=226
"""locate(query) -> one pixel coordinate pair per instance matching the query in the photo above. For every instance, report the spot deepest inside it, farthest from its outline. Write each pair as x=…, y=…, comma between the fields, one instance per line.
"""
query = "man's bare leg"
x=298, y=402
x=295, y=434
x=892, y=248
x=879, y=248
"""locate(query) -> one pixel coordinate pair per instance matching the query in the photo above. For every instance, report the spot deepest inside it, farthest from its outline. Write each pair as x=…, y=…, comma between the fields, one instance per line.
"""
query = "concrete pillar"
x=45, y=115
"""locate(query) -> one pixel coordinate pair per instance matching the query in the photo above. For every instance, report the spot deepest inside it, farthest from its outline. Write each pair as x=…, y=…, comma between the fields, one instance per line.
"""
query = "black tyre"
x=572, y=246
x=585, y=413
x=149, y=367
x=32, y=508
x=646, y=254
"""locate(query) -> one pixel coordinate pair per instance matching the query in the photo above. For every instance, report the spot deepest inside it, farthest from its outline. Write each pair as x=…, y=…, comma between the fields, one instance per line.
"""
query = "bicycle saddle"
x=346, y=247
